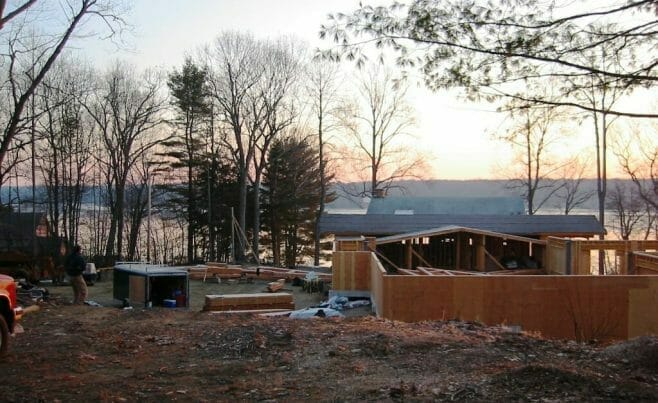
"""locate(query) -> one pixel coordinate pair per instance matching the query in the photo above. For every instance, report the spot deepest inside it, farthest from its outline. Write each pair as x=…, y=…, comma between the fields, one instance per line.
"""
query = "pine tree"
x=292, y=183
x=189, y=90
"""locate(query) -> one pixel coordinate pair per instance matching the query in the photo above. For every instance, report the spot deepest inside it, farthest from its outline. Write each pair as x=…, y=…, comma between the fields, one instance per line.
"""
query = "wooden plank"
x=233, y=302
x=425, y=271
x=520, y=272
x=420, y=257
x=500, y=266
x=408, y=272
x=457, y=272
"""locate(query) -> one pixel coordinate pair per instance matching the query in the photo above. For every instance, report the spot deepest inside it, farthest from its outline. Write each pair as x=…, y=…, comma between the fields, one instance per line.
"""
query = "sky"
x=456, y=136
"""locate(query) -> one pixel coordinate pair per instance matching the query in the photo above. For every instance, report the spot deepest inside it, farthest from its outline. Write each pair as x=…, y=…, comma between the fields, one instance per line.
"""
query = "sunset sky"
x=457, y=136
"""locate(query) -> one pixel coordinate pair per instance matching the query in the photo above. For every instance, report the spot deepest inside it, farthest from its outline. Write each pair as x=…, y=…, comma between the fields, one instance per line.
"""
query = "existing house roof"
x=524, y=225
x=447, y=205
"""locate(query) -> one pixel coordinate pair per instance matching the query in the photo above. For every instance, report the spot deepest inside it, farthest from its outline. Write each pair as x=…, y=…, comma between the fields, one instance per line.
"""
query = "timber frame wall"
x=567, y=256
x=578, y=307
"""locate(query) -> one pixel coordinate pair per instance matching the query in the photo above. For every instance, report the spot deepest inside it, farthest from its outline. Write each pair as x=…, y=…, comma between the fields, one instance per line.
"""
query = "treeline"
x=220, y=158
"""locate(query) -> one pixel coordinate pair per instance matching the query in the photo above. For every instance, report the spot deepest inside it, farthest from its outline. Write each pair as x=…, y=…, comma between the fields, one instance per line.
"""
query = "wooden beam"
x=420, y=257
x=500, y=266
x=409, y=272
x=480, y=250
x=455, y=272
x=384, y=258
x=409, y=254
x=425, y=271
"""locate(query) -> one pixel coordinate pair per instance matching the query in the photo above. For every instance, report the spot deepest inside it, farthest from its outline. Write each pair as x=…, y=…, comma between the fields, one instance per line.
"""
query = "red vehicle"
x=10, y=312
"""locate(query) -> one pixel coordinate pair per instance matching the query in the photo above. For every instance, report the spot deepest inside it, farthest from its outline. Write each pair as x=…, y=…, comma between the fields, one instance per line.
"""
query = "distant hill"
x=419, y=188
x=462, y=188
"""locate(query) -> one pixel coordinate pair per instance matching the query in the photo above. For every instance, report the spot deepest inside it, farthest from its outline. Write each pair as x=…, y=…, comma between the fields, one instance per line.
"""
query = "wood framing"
x=573, y=256
x=458, y=248
x=557, y=306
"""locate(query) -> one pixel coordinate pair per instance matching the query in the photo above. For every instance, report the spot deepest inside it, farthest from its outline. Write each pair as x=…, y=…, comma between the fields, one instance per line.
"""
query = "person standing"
x=75, y=266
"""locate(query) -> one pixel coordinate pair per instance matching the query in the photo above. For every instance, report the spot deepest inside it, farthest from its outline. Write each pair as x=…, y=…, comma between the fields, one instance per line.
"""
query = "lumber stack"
x=276, y=285
x=223, y=270
x=242, y=302
x=197, y=272
x=273, y=273
x=229, y=271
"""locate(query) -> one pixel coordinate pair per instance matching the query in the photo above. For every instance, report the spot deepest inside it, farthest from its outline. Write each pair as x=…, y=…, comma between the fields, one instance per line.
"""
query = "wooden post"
x=622, y=258
x=371, y=243
x=457, y=250
x=409, y=254
x=480, y=255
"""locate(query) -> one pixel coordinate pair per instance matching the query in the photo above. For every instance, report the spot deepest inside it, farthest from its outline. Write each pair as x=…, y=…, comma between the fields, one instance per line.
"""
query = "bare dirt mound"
x=82, y=353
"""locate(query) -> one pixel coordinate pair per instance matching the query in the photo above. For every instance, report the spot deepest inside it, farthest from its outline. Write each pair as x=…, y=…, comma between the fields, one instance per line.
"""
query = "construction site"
x=454, y=313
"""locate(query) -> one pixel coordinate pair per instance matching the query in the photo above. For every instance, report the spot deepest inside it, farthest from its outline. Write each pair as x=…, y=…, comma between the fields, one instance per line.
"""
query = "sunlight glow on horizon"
x=456, y=135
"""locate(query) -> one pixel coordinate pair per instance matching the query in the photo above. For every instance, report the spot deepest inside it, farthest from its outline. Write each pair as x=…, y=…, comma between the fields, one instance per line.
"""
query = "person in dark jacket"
x=75, y=266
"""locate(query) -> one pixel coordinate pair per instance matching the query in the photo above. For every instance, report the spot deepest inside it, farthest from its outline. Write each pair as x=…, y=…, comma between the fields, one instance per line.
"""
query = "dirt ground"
x=84, y=353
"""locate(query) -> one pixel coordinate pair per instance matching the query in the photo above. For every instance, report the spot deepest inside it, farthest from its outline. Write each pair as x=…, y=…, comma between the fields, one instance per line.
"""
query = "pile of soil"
x=85, y=353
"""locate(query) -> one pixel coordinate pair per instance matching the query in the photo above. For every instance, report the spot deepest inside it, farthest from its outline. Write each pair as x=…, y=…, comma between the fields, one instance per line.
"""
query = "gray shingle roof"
x=448, y=205
x=526, y=225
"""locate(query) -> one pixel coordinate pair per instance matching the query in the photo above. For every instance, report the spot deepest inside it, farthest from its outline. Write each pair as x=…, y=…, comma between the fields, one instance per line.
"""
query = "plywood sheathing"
x=565, y=307
x=643, y=263
x=137, y=289
x=351, y=271
x=572, y=307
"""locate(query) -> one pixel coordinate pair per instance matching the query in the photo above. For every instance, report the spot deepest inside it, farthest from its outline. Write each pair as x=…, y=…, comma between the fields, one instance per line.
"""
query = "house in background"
x=26, y=248
x=457, y=233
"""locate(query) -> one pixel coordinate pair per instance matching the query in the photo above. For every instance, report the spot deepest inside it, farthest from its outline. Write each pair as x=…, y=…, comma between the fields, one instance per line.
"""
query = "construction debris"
x=276, y=285
x=340, y=303
x=309, y=313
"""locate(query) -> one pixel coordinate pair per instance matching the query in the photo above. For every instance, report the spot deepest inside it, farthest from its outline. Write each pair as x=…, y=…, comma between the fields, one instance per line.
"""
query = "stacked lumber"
x=266, y=272
x=228, y=271
x=243, y=302
x=197, y=272
x=276, y=285
x=223, y=270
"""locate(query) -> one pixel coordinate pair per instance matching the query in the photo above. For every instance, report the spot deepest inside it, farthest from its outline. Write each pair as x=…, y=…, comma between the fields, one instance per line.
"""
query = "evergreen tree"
x=292, y=185
x=185, y=151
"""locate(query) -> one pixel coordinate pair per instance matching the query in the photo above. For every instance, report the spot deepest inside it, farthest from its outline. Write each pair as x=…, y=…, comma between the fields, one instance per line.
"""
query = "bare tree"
x=26, y=63
x=233, y=61
x=127, y=110
x=322, y=91
x=628, y=209
x=534, y=131
x=6, y=17
x=275, y=97
x=376, y=128
x=572, y=194
x=65, y=144
x=638, y=156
